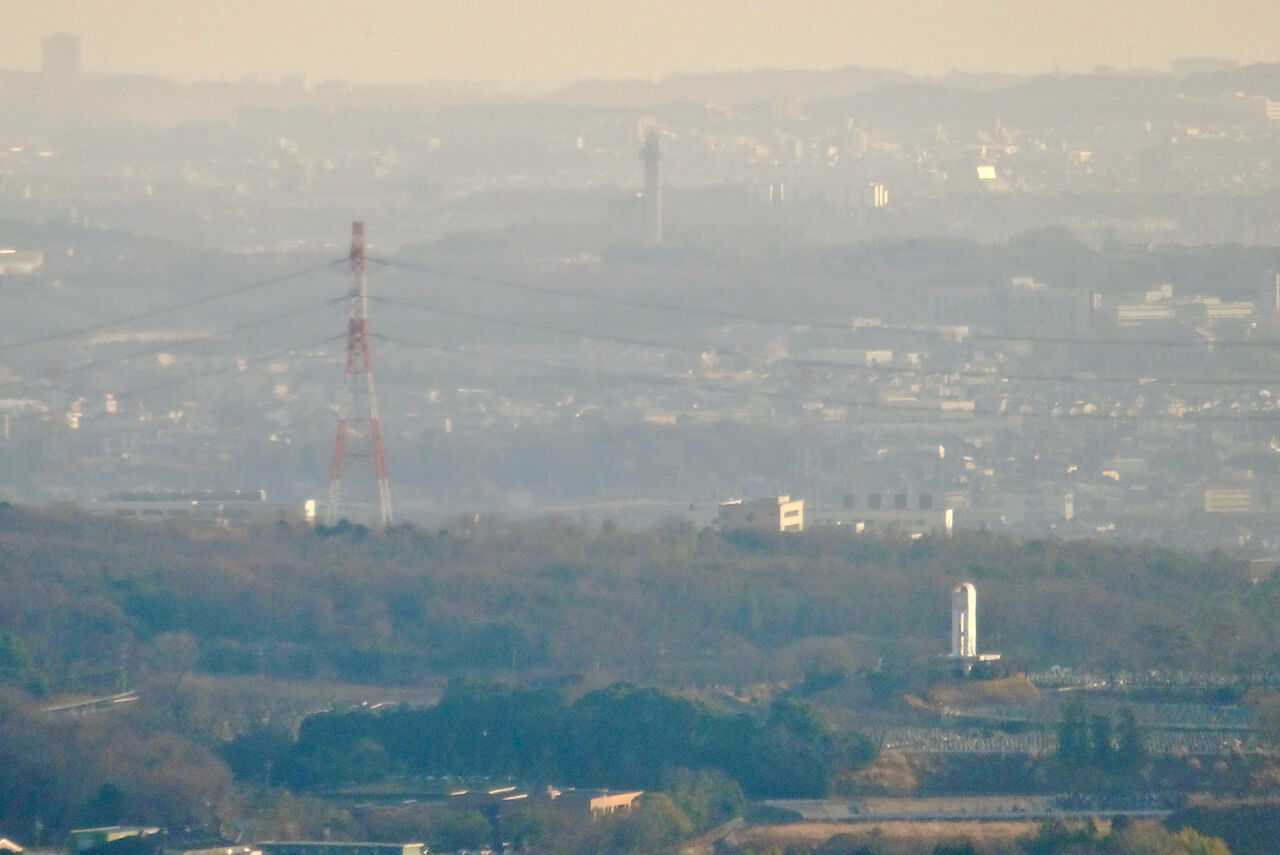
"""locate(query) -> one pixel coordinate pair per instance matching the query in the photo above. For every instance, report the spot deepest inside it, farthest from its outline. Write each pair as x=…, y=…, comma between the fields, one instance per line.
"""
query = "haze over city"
x=531, y=43
x=821, y=428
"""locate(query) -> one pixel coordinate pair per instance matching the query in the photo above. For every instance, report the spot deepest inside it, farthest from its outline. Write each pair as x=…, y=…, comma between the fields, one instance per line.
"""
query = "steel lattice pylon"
x=359, y=431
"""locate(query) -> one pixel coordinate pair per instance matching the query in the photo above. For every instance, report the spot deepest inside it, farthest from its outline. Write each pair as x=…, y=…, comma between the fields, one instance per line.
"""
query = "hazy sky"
x=538, y=41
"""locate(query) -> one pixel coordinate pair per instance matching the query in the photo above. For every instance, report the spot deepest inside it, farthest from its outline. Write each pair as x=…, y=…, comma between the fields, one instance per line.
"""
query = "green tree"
x=255, y=755
x=1151, y=838
x=1130, y=750
x=708, y=797
x=105, y=808
x=461, y=829
x=535, y=826
x=1101, y=750
x=655, y=823
x=955, y=847
x=1073, y=734
x=1055, y=838
x=13, y=656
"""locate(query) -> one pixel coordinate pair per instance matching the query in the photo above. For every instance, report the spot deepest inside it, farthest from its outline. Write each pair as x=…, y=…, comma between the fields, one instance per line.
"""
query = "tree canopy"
x=86, y=602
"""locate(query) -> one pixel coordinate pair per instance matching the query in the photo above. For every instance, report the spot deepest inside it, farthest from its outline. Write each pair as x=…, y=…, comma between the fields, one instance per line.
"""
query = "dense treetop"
x=622, y=737
x=84, y=600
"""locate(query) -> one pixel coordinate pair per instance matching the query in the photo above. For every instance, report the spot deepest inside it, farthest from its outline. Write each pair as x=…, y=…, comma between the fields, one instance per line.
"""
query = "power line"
x=172, y=345
x=658, y=379
x=641, y=342
x=944, y=417
x=599, y=298
x=536, y=325
x=1080, y=377
x=894, y=329
x=1076, y=377
x=163, y=310
x=211, y=372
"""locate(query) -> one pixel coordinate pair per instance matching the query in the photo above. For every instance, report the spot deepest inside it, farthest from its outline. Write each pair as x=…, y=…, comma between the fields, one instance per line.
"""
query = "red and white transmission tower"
x=359, y=434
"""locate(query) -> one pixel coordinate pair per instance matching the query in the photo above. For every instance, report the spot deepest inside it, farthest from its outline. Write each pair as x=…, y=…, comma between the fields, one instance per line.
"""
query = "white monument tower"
x=964, y=621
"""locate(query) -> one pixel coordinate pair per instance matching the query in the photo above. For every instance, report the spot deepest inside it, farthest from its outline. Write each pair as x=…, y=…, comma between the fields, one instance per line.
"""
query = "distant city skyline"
x=544, y=42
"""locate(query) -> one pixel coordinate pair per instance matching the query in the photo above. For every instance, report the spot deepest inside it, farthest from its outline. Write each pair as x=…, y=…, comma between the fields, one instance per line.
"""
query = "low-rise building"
x=84, y=839
x=607, y=803
x=773, y=513
x=899, y=512
x=209, y=507
x=1228, y=500
x=332, y=847
x=20, y=262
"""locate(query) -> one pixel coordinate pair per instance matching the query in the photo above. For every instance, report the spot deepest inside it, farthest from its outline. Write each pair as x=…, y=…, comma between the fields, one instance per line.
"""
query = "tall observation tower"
x=652, y=157
x=964, y=621
x=964, y=626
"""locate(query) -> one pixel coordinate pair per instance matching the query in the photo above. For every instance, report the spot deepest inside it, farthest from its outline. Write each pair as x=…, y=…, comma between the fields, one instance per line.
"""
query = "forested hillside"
x=548, y=617
x=87, y=602
x=621, y=737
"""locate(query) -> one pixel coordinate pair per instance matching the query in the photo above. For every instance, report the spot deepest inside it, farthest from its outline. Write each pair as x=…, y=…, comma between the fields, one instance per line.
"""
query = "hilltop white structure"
x=964, y=624
x=964, y=621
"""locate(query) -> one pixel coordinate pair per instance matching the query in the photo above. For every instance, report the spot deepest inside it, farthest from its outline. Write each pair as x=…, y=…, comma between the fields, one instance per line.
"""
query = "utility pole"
x=359, y=431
